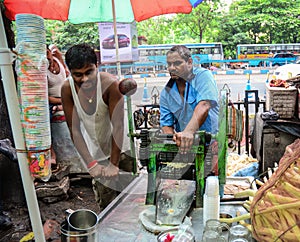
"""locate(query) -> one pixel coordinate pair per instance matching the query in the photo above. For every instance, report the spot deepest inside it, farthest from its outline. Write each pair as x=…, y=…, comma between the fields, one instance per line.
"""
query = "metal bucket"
x=80, y=226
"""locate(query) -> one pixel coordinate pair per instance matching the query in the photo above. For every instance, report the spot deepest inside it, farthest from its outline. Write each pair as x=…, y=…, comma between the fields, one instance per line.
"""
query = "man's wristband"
x=92, y=164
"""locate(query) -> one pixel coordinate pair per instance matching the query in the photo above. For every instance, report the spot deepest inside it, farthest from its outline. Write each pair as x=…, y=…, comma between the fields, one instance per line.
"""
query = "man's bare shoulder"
x=107, y=77
x=108, y=80
x=65, y=85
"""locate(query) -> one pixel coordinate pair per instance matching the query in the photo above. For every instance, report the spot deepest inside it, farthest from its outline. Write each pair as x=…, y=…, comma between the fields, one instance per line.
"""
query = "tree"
x=256, y=21
x=65, y=34
x=231, y=32
x=199, y=20
x=268, y=21
x=157, y=30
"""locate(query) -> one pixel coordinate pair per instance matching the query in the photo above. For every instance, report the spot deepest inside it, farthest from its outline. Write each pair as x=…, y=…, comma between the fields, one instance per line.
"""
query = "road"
x=236, y=83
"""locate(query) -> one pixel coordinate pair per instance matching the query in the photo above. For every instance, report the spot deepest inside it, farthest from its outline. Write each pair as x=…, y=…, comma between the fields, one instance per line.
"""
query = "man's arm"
x=55, y=100
x=185, y=139
x=115, y=101
x=199, y=116
x=167, y=130
x=166, y=116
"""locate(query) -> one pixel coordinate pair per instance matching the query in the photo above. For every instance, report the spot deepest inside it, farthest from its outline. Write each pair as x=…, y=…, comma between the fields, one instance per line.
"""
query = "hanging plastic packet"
x=39, y=164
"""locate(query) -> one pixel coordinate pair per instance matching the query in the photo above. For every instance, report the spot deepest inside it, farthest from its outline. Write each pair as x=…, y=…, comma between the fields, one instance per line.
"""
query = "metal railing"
x=246, y=104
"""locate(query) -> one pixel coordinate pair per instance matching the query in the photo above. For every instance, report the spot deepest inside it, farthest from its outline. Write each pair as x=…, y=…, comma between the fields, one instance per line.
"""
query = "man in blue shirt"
x=189, y=101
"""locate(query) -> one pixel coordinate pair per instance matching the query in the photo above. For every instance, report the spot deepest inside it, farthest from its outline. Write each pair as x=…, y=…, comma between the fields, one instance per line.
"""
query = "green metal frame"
x=131, y=133
x=157, y=145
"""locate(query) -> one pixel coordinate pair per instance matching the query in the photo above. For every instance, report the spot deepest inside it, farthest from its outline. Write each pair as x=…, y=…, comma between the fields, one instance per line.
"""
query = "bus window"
x=216, y=51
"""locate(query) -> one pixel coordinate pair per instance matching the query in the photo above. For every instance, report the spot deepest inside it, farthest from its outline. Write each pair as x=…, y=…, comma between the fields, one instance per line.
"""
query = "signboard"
x=127, y=39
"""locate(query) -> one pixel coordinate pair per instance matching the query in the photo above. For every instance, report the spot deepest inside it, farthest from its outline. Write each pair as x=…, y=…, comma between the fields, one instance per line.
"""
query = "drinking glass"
x=215, y=225
x=239, y=233
x=212, y=236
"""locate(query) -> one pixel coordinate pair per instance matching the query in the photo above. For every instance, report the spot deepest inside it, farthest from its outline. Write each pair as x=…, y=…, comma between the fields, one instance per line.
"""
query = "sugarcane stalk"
x=246, y=206
x=242, y=222
x=248, y=226
x=257, y=222
x=292, y=190
x=283, y=221
x=248, y=202
x=289, y=218
x=245, y=193
x=293, y=171
x=273, y=234
x=266, y=224
x=278, y=199
x=235, y=219
x=258, y=182
x=280, y=207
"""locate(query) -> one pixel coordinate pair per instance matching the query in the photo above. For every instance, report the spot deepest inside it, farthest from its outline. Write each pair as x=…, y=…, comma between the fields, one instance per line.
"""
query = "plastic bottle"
x=211, y=199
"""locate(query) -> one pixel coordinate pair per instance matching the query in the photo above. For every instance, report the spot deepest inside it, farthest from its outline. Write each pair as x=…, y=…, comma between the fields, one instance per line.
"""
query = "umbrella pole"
x=116, y=39
x=128, y=98
x=15, y=121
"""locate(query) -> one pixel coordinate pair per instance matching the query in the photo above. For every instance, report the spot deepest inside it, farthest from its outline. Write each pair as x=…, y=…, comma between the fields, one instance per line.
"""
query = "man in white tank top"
x=94, y=111
x=56, y=75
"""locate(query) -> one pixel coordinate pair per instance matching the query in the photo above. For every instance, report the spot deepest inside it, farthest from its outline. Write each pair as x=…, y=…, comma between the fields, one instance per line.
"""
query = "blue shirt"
x=177, y=112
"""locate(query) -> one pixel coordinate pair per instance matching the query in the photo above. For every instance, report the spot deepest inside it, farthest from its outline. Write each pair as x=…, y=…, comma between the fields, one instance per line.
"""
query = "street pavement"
x=236, y=83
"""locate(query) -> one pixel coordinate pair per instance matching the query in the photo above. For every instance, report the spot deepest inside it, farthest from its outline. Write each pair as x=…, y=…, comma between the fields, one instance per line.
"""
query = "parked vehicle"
x=109, y=42
x=260, y=54
x=286, y=71
x=280, y=59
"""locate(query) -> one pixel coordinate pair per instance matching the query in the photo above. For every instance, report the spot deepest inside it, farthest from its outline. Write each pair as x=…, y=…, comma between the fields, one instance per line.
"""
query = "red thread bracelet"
x=92, y=164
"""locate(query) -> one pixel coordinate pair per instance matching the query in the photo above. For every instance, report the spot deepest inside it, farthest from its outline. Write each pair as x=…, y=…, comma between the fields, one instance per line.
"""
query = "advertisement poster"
x=127, y=39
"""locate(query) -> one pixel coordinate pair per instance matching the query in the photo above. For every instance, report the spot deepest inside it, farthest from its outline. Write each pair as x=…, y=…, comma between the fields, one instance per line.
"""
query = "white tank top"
x=96, y=128
x=55, y=81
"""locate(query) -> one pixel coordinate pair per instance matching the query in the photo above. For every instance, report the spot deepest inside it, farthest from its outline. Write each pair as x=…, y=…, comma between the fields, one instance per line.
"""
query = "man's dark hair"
x=78, y=56
x=182, y=50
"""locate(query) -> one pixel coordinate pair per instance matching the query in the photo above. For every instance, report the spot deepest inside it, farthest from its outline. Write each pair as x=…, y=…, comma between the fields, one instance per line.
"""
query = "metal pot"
x=81, y=225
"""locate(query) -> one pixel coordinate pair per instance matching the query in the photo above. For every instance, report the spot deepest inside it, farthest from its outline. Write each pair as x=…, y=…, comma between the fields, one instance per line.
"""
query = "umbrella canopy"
x=87, y=11
x=84, y=11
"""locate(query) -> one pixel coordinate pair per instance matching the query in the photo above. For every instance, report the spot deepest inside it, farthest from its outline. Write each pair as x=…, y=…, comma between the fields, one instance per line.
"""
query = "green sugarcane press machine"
x=164, y=161
x=160, y=154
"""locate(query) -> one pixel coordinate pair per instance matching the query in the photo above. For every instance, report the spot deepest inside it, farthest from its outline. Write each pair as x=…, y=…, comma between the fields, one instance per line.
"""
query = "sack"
x=235, y=123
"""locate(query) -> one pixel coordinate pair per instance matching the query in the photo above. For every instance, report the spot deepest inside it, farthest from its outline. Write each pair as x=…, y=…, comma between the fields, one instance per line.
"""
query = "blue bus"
x=202, y=53
x=260, y=53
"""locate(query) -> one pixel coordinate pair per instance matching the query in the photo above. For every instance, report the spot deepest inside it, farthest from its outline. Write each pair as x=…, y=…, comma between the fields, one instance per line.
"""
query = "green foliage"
x=64, y=35
x=260, y=21
x=199, y=20
x=158, y=30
